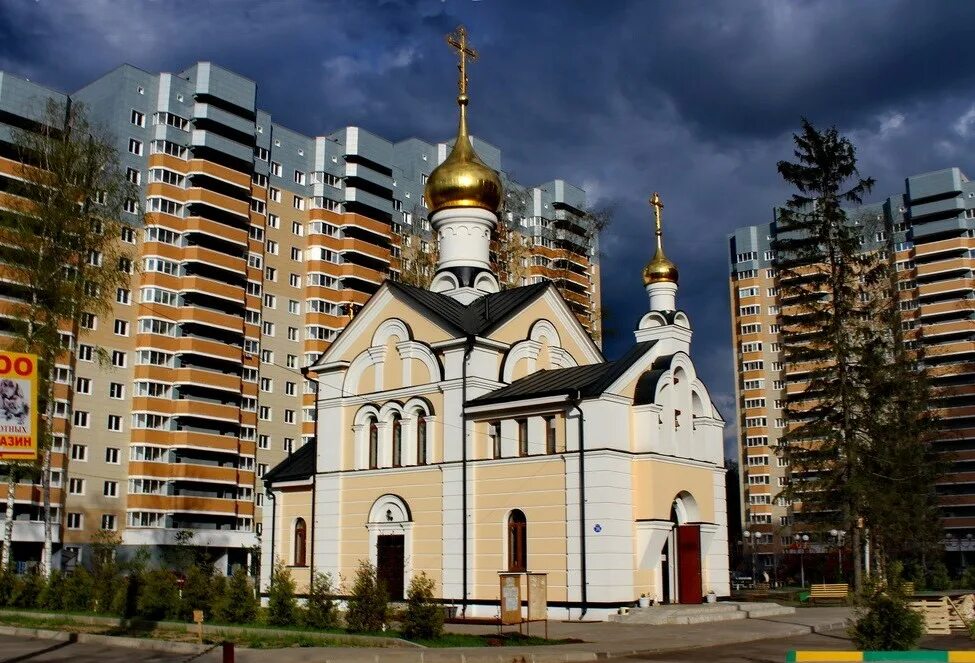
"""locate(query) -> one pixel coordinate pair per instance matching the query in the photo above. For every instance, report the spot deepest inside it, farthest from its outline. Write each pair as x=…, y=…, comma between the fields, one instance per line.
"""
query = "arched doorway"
x=681, y=556
x=390, y=542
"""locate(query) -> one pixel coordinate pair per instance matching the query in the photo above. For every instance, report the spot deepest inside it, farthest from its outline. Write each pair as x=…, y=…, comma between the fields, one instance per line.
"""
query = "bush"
x=967, y=580
x=52, y=597
x=79, y=588
x=7, y=582
x=218, y=599
x=369, y=604
x=320, y=611
x=282, y=607
x=125, y=601
x=158, y=596
x=28, y=589
x=197, y=594
x=240, y=604
x=423, y=619
x=939, y=578
x=884, y=621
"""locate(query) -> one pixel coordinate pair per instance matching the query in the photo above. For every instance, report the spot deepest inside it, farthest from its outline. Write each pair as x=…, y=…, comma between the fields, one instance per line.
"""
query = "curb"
x=902, y=656
x=115, y=641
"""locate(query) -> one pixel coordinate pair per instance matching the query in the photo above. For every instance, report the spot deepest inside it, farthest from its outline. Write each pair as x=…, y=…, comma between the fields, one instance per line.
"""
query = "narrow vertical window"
x=550, y=435
x=301, y=537
x=397, y=441
x=421, y=439
x=373, y=445
x=522, y=437
x=494, y=430
x=517, y=542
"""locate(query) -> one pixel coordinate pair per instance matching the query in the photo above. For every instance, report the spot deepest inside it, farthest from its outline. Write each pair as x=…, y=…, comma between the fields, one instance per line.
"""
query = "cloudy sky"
x=696, y=100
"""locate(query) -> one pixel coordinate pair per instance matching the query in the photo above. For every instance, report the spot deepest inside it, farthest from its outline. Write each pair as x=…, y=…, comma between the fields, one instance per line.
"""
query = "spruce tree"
x=822, y=275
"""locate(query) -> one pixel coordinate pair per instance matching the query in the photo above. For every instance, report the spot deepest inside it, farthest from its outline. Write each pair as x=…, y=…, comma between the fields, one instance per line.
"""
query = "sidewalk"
x=603, y=640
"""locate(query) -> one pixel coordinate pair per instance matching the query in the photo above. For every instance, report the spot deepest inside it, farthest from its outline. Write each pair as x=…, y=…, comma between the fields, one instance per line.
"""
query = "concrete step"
x=701, y=614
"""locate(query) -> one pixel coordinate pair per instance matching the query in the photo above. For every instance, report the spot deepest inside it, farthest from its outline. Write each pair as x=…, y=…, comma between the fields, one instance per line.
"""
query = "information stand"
x=537, y=600
x=510, y=600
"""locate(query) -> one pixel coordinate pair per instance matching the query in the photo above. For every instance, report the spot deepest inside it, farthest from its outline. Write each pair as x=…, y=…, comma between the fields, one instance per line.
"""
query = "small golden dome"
x=463, y=180
x=660, y=269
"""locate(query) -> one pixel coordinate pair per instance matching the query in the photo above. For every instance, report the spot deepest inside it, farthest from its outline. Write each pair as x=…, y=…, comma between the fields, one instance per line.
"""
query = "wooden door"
x=391, y=564
x=689, y=563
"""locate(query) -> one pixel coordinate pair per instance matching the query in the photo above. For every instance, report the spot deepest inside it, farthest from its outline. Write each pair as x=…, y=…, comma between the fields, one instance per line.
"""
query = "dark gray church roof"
x=297, y=466
x=480, y=316
x=590, y=381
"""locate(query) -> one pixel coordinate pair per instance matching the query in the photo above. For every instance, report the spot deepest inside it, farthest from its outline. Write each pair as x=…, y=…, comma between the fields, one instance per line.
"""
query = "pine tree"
x=320, y=611
x=368, y=607
x=424, y=617
x=239, y=605
x=822, y=274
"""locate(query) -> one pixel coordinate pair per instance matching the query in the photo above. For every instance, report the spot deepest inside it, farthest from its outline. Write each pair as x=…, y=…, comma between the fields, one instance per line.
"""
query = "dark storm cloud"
x=695, y=100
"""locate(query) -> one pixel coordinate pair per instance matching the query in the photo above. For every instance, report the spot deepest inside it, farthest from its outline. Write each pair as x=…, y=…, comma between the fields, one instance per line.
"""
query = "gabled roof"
x=646, y=386
x=589, y=381
x=297, y=466
x=481, y=315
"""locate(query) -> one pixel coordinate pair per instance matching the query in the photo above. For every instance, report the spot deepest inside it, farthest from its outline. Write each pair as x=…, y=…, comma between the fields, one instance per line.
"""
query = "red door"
x=689, y=564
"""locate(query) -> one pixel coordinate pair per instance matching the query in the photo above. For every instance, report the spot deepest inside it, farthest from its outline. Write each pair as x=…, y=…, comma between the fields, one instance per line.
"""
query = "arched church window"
x=517, y=542
x=397, y=441
x=421, y=439
x=373, y=445
x=301, y=538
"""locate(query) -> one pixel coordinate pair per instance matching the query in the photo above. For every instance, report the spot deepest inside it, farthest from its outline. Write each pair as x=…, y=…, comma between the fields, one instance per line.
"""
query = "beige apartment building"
x=253, y=246
x=931, y=229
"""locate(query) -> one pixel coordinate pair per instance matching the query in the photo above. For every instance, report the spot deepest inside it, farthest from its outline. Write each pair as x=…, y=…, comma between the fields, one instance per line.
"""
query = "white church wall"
x=609, y=527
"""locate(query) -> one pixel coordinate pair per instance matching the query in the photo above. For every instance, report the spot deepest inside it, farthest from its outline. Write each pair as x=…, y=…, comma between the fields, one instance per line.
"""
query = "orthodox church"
x=465, y=430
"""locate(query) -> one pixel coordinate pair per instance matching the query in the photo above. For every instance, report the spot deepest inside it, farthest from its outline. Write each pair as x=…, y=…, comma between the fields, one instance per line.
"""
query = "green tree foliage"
x=240, y=605
x=105, y=569
x=320, y=610
x=198, y=594
x=52, y=597
x=181, y=556
x=60, y=250
x=424, y=617
x=368, y=607
x=219, y=603
x=7, y=581
x=282, y=606
x=883, y=620
x=159, y=596
x=78, y=590
x=28, y=589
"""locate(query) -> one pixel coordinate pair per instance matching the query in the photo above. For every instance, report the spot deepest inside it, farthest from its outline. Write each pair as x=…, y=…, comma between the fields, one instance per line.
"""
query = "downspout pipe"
x=274, y=515
x=468, y=349
x=584, y=582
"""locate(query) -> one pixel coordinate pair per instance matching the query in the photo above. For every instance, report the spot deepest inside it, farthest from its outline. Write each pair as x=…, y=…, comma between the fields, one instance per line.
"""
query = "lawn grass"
x=258, y=640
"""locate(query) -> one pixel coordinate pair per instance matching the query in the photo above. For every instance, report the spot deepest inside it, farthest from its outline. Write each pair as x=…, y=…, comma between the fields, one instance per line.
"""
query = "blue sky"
x=696, y=100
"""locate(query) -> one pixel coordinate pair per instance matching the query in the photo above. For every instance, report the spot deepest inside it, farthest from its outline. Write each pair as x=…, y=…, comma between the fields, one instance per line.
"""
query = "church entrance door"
x=689, y=564
x=391, y=564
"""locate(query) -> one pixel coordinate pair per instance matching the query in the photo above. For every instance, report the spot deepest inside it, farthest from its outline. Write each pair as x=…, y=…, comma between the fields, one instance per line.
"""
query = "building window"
x=522, y=437
x=494, y=432
x=135, y=146
x=397, y=441
x=112, y=455
x=550, y=435
x=79, y=452
x=421, y=439
x=110, y=489
x=517, y=542
x=76, y=486
x=373, y=445
x=108, y=521
x=301, y=537
x=75, y=521
x=138, y=119
x=114, y=422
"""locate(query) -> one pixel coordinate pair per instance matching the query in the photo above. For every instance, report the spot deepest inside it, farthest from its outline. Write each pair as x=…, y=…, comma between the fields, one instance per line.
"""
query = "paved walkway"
x=601, y=640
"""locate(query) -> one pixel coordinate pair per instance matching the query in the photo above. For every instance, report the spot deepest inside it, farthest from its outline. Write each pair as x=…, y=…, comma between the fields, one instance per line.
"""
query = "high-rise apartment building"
x=253, y=246
x=931, y=229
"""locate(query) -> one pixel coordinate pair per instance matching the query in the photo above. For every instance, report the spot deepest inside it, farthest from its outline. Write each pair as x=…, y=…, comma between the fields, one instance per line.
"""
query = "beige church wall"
x=421, y=490
x=538, y=489
x=657, y=483
x=423, y=329
x=435, y=434
x=518, y=328
x=294, y=503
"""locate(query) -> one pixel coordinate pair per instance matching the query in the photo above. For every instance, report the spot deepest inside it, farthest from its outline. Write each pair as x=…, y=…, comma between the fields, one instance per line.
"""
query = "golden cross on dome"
x=458, y=41
x=657, y=204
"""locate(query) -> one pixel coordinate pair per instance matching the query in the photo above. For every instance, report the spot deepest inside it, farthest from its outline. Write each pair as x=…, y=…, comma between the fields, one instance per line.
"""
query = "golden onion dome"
x=660, y=269
x=463, y=180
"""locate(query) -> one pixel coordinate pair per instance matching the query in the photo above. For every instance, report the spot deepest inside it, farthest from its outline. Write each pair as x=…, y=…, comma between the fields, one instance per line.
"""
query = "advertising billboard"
x=19, y=434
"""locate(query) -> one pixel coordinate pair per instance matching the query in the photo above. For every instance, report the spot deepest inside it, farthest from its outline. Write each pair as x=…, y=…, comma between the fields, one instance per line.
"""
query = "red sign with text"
x=18, y=406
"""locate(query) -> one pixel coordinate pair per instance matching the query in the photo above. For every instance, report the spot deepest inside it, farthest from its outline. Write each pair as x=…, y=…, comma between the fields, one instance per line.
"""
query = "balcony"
x=147, y=536
x=31, y=531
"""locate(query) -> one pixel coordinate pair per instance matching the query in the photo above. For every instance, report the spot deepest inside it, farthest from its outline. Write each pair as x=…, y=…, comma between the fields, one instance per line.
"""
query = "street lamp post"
x=838, y=534
x=802, y=540
x=751, y=544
